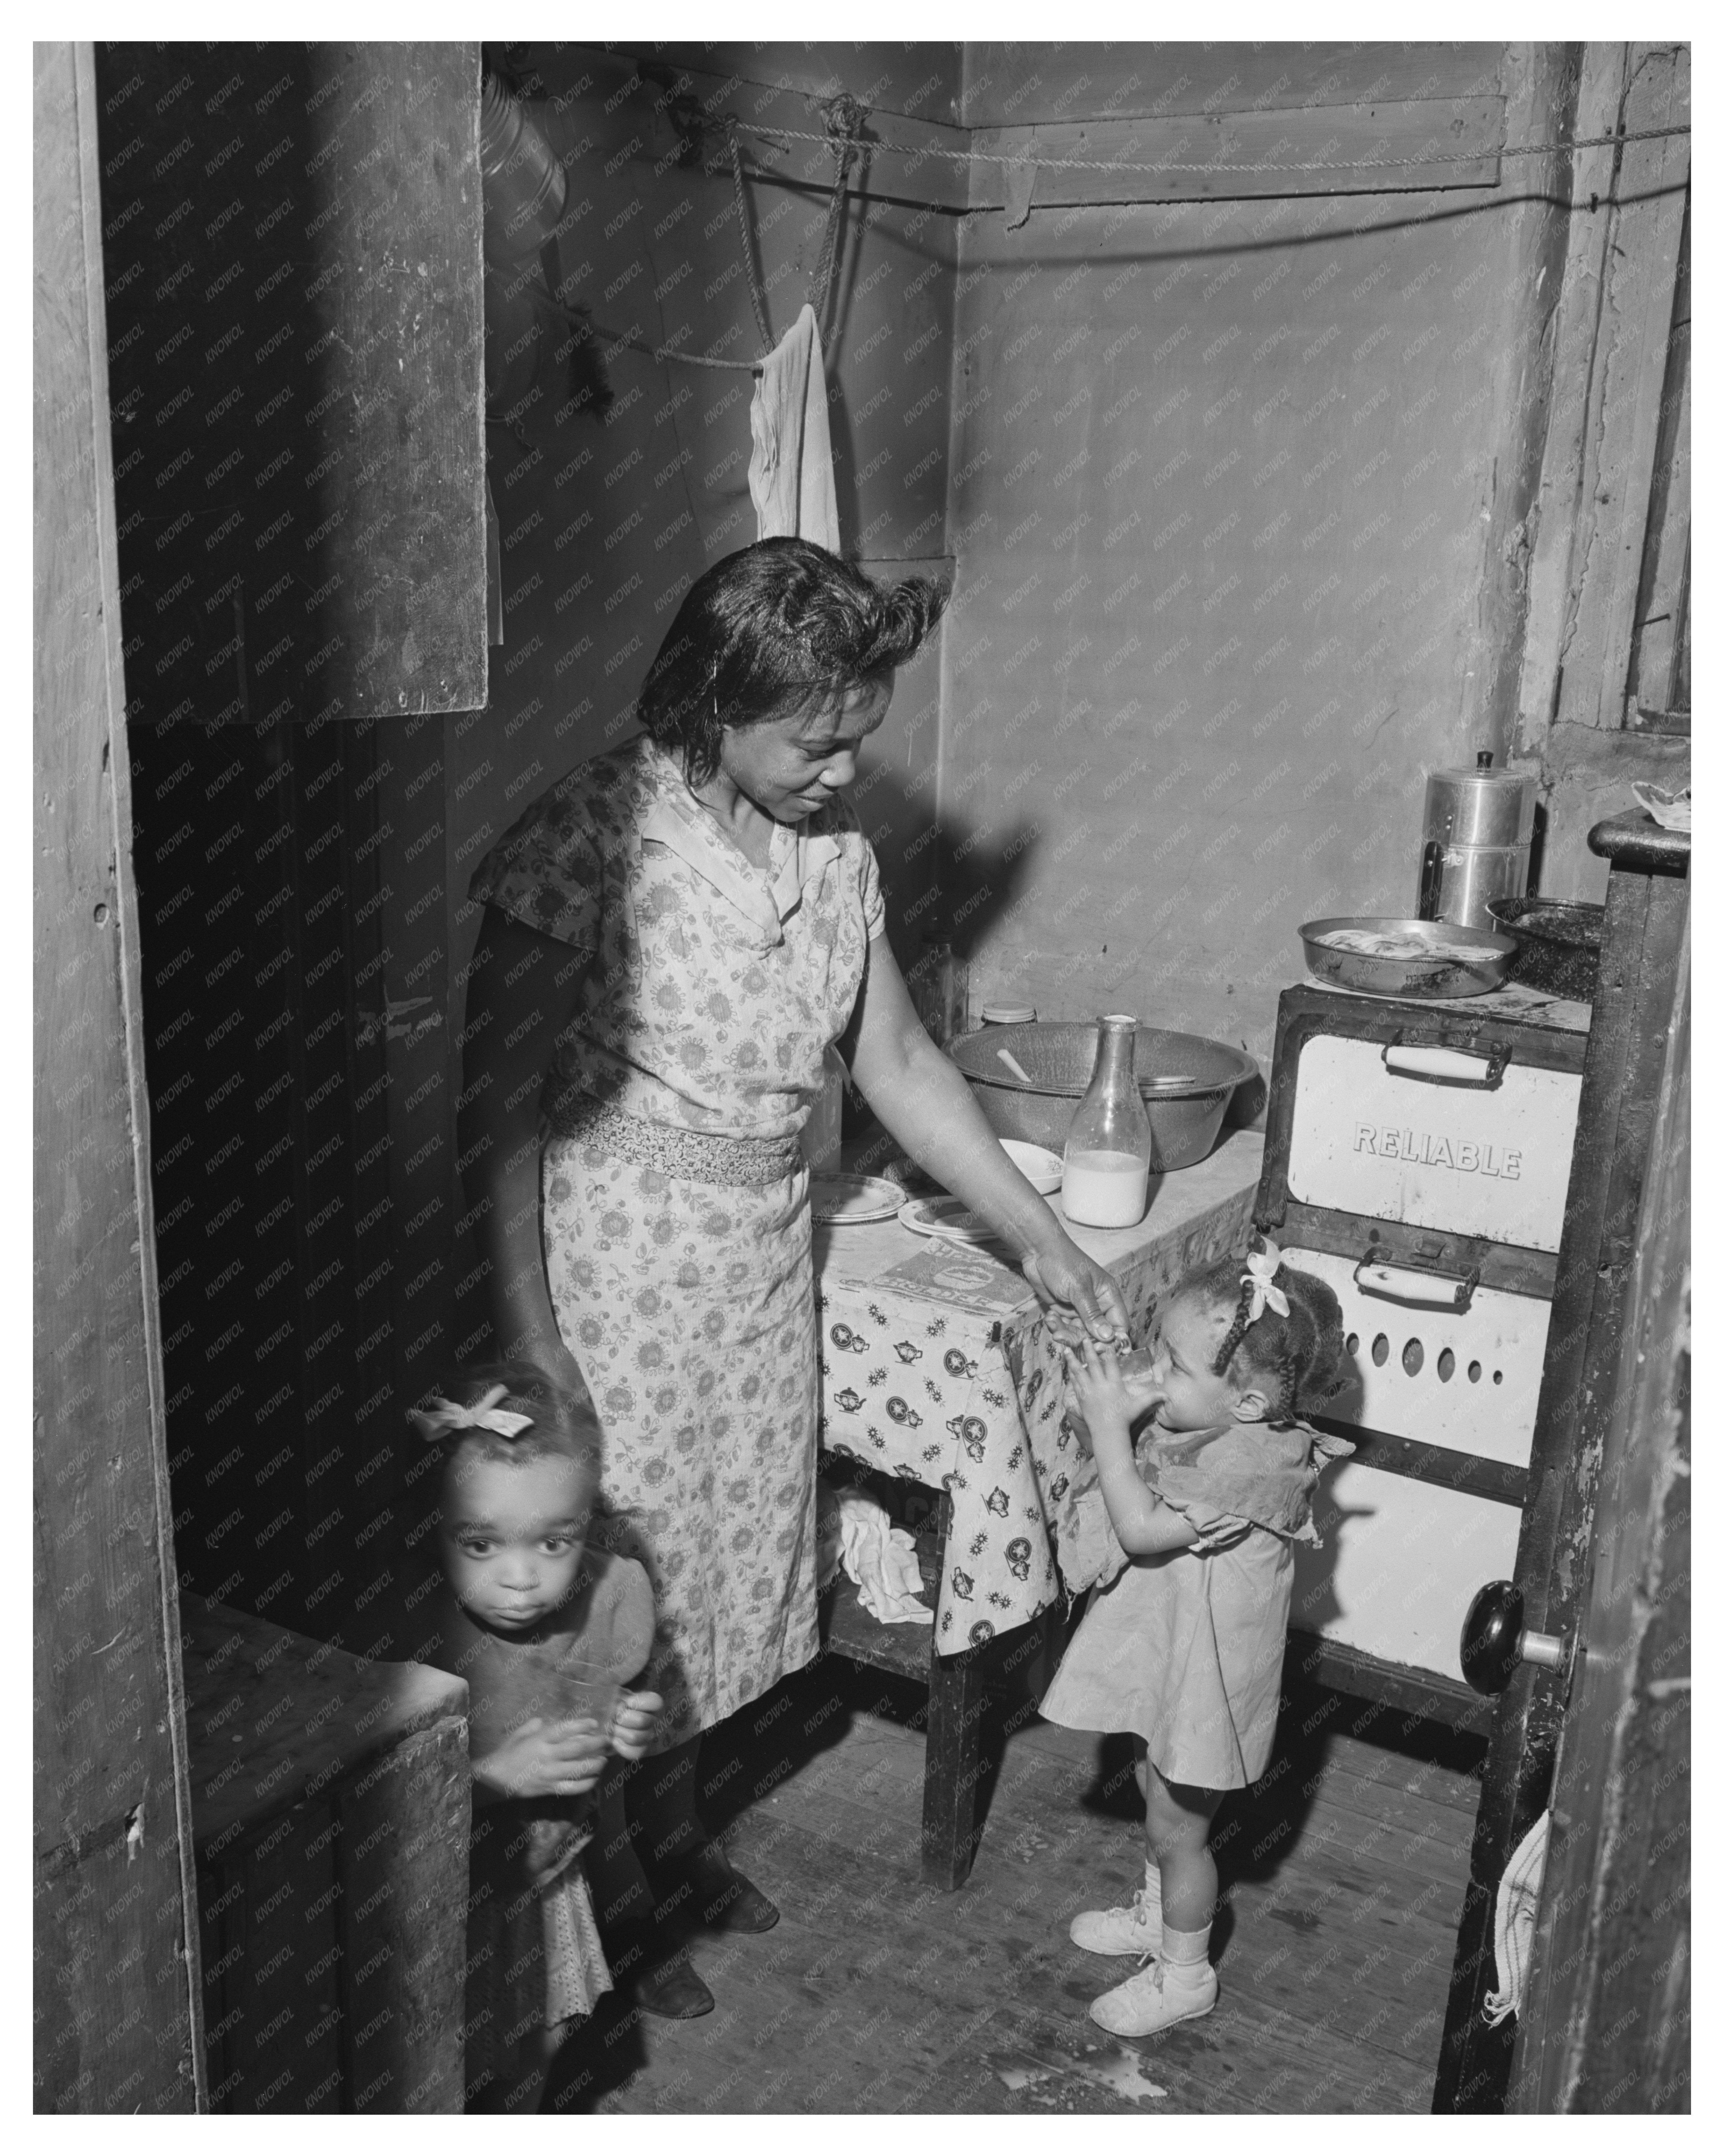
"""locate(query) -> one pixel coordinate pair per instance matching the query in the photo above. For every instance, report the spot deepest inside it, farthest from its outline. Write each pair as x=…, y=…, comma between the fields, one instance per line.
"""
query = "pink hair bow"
x=441, y=1417
x=1259, y=1276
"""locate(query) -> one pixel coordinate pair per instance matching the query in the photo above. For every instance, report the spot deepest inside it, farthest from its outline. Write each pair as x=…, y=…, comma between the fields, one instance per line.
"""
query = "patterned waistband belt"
x=693, y=1156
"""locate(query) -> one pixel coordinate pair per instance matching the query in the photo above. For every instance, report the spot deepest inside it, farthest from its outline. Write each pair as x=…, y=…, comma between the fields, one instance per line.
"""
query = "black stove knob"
x=1494, y=1639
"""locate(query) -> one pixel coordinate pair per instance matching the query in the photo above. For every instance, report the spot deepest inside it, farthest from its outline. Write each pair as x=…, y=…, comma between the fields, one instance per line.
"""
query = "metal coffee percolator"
x=1478, y=842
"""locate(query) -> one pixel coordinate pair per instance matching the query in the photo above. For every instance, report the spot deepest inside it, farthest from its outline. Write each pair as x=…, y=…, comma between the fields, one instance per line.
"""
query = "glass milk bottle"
x=1107, y=1150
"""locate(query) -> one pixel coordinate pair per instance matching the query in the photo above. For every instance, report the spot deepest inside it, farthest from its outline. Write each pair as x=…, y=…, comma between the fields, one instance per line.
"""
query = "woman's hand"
x=1081, y=1298
x=544, y=1759
x=634, y=1723
x=922, y=1098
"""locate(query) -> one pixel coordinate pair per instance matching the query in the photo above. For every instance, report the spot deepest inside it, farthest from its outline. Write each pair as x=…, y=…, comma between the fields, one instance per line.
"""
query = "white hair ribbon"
x=442, y=1418
x=1259, y=1276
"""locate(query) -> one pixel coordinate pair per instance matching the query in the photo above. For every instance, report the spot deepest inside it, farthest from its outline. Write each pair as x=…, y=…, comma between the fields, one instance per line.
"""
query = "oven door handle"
x=1415, y=1284
x=1444, y=1066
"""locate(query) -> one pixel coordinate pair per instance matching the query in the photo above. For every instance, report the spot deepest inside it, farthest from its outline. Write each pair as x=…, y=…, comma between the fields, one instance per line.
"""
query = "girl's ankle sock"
x=1184, y=1954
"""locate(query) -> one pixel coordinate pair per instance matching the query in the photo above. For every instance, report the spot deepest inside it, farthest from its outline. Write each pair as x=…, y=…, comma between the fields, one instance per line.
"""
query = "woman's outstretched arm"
x=920, y=1097
x=521, y=992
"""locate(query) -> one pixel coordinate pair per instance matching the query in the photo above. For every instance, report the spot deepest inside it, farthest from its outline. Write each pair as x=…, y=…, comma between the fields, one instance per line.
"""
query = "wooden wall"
x=293, y=258
x=1603, y=596
x=116, y=2023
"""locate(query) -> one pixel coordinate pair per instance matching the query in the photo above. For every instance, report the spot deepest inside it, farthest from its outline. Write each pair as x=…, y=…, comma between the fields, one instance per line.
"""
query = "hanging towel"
x=1516, y=1913
x=790, y=472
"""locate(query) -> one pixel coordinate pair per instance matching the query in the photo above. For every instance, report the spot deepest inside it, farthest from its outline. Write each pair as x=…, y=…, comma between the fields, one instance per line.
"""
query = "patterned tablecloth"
x=936, y=1364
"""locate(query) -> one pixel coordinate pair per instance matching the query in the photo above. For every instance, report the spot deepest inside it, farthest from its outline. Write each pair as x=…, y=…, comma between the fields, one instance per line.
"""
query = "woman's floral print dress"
x=711, y=994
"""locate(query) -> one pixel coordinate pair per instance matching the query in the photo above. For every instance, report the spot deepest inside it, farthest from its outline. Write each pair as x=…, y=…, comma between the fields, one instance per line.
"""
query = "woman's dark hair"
x=1296, y=1358
x=561, y=1427
x=780, y=627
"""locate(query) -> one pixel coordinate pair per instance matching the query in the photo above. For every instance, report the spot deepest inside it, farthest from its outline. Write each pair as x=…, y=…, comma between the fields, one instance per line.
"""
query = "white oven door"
x=1373, y=1134
x=1401, y=1560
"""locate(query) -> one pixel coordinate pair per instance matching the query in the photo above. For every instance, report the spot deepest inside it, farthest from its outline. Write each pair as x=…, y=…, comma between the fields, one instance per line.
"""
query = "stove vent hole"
x=1445, y=1364
x=1496, y=1377
x=1474, y=1371
x=1353, y=1343
x=1412, y=1357
x=1379, y=1349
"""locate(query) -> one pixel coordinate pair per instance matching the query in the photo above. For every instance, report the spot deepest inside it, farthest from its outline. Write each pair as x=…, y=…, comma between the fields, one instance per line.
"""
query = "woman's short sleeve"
x=873, y=904
x=859, y=852
x=547, y=872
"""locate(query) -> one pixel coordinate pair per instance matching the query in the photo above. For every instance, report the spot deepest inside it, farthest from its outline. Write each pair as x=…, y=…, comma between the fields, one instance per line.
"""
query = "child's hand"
x=546, y=1758
x=632, y=1725
x=1109, y=1394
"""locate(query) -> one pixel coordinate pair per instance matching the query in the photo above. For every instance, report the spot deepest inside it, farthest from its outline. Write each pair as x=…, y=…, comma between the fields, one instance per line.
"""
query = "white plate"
x=1046, y=1170
x=947, y=1218
x=851, y=1201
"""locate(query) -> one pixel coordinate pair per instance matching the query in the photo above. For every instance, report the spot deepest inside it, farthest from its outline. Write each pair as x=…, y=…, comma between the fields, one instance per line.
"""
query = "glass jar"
x=1108, y=1148
x=939, y=983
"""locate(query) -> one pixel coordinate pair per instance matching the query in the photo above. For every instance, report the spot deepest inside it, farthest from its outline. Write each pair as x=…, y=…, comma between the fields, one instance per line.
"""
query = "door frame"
x=118, y=2012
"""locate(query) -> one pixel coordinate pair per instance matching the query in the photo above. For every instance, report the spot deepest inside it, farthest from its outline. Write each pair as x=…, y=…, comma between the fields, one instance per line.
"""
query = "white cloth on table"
x=790, y=478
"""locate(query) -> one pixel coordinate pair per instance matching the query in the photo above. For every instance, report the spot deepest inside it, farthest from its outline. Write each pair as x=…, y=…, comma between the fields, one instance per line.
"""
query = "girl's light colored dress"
x=533, y=1954
x=711, y=994
x=1185, y=1650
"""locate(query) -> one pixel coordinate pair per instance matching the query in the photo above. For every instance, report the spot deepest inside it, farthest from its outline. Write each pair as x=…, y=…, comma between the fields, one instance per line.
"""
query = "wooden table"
x=938, y=1377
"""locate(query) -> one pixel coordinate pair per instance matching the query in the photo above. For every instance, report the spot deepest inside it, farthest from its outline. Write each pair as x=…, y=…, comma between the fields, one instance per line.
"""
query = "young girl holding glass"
x=1182, y=1641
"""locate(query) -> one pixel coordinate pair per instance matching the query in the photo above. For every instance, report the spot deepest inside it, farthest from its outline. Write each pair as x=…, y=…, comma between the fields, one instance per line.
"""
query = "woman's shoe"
x=673, y=1991
x=720, y=1895
x=660, y=1982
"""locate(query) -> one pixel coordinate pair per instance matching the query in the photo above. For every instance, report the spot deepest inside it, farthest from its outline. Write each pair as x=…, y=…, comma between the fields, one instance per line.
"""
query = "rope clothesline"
x=577, y=320
x=852, y=146
x=1227, y=166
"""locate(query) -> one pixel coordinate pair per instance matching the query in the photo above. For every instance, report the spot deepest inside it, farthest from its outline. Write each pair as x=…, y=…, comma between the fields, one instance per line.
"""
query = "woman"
x=673, y=937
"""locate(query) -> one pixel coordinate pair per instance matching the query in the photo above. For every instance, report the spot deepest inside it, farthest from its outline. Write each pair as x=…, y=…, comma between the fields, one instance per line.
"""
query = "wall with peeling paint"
x=1222, y=499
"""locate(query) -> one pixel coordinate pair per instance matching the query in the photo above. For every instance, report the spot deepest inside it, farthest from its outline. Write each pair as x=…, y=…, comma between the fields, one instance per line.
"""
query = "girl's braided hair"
x=1298, y=1356
x=779, y=627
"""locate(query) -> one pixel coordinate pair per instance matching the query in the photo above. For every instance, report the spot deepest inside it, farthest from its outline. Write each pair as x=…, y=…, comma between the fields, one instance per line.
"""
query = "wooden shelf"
x=848, y=1630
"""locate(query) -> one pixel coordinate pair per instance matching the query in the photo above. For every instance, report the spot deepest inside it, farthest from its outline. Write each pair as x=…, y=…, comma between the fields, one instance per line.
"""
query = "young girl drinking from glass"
x=1182, y=1640
x=547, y=1634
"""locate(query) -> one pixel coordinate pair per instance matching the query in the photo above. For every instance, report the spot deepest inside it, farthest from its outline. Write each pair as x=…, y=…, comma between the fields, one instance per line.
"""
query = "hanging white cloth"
x=1516, y=1913
x=790, y=484
x=790, y=472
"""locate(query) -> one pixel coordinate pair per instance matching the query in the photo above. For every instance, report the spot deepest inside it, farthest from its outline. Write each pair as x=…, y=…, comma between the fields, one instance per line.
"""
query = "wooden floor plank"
x=1342, y=1879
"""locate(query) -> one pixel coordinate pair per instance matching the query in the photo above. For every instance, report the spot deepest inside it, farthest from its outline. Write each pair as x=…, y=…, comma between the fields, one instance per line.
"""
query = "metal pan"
x=1479, y=967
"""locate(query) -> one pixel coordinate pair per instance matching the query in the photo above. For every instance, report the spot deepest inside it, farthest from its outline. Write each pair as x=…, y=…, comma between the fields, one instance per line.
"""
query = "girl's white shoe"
x=1159, y=1996
x=1134, y=1931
